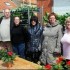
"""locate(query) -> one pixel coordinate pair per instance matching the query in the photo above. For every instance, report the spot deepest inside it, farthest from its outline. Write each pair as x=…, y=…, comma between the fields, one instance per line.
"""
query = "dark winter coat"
x=34, y=44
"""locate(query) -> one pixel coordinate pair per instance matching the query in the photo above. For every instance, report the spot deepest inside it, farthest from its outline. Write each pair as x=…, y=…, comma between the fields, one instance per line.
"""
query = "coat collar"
x=49, y=25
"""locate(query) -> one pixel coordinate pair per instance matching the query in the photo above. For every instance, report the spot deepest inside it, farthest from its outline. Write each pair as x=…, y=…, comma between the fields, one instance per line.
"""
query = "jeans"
x=19, y=49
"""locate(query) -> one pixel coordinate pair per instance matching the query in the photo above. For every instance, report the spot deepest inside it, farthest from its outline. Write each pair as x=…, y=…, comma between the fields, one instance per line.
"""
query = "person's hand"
x=38, y=62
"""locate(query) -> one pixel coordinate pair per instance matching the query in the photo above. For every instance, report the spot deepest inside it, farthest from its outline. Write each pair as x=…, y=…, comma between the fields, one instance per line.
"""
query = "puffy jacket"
x=35, y=42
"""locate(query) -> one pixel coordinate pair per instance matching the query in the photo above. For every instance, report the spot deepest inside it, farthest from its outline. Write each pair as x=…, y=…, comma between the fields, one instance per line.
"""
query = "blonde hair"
x=67, y=20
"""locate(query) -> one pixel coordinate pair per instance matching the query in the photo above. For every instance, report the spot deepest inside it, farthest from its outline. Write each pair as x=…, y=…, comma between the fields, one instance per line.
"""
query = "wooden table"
x=20, y=63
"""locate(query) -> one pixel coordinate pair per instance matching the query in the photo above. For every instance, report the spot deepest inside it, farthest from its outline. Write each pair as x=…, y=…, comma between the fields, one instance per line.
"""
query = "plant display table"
x=20, y=63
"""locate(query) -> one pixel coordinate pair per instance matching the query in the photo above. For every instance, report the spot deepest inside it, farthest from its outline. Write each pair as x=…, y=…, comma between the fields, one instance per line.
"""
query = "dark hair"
x=52, y=14
x=34, y=18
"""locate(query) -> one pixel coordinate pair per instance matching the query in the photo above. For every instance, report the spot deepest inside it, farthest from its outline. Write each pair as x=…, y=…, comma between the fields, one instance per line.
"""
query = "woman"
x=52, y=35
x=18, y=37
x=66, y=40
x=34, y=44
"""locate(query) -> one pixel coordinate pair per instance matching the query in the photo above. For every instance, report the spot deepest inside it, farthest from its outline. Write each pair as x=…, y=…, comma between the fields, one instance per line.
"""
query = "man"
x=5, y=27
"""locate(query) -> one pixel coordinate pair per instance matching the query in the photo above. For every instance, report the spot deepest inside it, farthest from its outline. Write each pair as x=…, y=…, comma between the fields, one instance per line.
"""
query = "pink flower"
x=10, y=53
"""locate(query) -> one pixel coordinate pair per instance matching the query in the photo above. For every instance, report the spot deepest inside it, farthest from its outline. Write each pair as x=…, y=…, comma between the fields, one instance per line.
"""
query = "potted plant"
x=61, y=64
x=8, y=57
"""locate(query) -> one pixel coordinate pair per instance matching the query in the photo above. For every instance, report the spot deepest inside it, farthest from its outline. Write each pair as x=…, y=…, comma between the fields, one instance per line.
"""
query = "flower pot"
x=8, y=64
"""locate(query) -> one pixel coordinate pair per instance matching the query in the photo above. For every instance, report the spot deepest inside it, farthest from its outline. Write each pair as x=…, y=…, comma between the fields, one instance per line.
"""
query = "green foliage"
x=45, y=18
x=56, y=67
x=1, y=54
x=7, y=56
x=62, y=18
x=21, y=10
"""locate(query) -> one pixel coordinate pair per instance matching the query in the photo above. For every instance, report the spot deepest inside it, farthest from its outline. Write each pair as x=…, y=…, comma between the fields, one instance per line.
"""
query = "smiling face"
x=52, y=19
x=16, y=20
x=33, y=23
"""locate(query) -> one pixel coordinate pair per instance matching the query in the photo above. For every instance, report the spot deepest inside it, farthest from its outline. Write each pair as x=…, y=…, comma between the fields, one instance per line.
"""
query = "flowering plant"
x=6, y=55
x=61, y=64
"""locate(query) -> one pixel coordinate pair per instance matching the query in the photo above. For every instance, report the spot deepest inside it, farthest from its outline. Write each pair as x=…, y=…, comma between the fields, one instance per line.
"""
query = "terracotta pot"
x=8, y=64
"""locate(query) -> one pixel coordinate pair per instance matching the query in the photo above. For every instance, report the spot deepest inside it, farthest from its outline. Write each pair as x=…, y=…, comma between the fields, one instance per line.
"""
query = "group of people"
x=19, y=39
x=37, y=42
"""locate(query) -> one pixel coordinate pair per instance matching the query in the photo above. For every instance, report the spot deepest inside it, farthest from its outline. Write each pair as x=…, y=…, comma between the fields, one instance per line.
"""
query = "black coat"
x=34, y=44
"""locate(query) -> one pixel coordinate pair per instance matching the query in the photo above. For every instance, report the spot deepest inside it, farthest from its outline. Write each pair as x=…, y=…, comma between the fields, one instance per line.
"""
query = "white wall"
x=61, y=6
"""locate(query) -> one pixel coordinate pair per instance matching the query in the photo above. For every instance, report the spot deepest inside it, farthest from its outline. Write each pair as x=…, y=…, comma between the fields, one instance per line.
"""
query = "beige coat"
x=51, y=43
